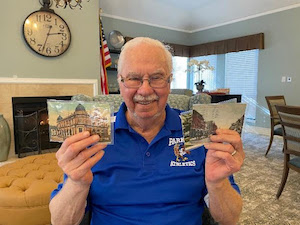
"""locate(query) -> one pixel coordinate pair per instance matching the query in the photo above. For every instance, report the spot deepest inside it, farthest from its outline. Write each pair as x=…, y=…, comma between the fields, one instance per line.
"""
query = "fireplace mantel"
x=9, y=80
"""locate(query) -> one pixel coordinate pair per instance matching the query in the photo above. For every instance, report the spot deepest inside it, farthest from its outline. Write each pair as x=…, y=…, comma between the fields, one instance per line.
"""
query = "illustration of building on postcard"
x=205, y=119
x=201, y=129
x=69, y=122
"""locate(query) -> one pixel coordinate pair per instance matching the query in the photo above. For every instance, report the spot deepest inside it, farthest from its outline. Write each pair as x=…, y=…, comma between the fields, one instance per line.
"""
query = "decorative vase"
x=200, y=87
x=4, y=139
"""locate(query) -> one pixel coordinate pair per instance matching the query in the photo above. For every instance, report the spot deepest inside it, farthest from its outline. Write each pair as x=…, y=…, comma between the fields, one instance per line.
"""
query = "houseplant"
x=200, y=85
x=198, y=67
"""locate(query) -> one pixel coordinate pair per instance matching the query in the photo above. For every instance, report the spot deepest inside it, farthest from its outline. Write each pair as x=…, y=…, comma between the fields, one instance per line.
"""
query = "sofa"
x=180, y=91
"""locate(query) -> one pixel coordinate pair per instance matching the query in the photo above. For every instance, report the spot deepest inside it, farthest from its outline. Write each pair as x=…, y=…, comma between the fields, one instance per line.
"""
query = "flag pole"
x=105, y=58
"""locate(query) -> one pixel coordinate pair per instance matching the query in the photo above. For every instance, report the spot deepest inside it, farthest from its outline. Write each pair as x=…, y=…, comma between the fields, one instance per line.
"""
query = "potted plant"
x=200, y=85
x=199, y=67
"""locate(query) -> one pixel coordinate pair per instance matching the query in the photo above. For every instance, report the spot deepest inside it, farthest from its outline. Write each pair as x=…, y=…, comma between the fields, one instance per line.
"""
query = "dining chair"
x=276, y=128
x=290, y=121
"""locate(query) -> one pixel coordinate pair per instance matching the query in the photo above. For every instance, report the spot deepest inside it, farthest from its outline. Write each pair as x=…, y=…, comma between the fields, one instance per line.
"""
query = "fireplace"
x=31, y=128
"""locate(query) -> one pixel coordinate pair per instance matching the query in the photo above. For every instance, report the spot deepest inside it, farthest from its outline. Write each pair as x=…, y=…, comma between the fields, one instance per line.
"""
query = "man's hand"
x=77, y=155
x=225, y=155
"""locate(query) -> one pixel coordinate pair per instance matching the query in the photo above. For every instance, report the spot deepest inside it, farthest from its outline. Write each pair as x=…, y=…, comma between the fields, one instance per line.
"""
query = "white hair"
x=138, y=40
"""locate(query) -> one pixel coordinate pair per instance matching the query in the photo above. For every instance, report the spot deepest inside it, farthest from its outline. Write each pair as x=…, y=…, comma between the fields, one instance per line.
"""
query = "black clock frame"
x=46, y=8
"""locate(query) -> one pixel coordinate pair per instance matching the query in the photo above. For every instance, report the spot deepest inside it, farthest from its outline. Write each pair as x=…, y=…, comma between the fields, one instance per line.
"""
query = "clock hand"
x=50, y=27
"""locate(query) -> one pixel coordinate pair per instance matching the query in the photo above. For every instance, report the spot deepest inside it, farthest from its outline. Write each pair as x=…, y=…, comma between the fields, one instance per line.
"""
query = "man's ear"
x=171, y=78
x=119, y=83
x=118, y=79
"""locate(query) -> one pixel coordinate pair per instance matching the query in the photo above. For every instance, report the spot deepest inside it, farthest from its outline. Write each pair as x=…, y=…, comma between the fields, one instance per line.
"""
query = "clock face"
x=46, y=33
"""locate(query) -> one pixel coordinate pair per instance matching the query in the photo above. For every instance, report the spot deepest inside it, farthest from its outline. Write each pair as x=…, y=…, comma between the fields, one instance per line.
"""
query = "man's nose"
x=146, y=81
x=146, y=85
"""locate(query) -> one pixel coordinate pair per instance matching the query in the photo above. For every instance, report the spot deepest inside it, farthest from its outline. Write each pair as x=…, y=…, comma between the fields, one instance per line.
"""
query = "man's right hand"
x=76, y=158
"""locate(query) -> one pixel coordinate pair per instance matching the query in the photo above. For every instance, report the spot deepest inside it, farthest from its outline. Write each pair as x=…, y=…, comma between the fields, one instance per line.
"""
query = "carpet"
x=259, y=180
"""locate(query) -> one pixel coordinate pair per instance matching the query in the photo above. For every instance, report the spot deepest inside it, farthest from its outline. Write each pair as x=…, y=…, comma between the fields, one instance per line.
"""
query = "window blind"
x=241, y=77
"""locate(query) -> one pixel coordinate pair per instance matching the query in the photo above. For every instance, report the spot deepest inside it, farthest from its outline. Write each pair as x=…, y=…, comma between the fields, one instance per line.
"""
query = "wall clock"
x=46, y=33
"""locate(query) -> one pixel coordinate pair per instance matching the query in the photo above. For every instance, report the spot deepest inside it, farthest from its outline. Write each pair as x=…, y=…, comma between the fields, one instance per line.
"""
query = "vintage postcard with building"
x=67, y=118
x=201, y=122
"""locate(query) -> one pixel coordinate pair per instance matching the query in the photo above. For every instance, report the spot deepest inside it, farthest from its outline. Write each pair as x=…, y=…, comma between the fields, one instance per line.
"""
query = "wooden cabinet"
x=113, y=86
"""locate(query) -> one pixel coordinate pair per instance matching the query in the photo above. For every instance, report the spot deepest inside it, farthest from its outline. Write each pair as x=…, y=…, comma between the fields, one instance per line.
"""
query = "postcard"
x=67, y=118
x=203, y=121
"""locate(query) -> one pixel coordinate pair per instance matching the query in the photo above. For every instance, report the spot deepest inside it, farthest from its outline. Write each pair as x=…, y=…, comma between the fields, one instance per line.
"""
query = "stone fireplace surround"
x=27, y=87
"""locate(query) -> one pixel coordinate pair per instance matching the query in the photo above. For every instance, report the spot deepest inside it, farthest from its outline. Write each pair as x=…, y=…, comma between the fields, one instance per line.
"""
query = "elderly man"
x=138, y=180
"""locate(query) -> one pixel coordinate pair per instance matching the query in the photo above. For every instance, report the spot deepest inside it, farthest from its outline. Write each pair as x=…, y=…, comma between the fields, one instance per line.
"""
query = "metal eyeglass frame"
x=122, y=79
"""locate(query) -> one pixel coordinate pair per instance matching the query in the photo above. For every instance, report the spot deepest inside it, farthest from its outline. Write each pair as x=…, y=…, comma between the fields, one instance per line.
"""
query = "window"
x=179, y=72
x=241, y=77
x=208, y=76
x=237, y=71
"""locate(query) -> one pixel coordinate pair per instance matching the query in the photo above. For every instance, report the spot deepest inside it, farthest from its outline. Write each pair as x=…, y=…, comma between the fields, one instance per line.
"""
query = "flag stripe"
x=105, y=47
x=105, y=60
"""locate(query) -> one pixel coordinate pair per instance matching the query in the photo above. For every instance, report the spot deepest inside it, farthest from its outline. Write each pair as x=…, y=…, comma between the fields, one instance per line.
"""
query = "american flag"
x=105, y=60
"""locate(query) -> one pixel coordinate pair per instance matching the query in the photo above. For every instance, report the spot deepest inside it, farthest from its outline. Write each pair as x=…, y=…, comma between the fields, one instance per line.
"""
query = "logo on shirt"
x=180, y=153
x=173, y=141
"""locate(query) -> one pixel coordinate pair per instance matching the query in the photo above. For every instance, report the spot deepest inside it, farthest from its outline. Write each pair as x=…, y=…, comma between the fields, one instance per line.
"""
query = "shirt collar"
x=121, y=121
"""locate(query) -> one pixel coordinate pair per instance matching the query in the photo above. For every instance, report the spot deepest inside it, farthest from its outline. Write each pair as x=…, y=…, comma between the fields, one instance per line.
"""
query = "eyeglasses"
x=156, y=81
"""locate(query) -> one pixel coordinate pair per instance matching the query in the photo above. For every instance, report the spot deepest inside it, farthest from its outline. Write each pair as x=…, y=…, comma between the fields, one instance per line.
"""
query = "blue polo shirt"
x=136, y=183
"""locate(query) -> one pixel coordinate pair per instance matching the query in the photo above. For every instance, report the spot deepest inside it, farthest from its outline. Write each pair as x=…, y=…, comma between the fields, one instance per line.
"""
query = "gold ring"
x=234, y=152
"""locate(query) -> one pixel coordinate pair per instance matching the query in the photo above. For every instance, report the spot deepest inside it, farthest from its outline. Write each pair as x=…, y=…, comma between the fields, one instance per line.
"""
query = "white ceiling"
x=191, y=15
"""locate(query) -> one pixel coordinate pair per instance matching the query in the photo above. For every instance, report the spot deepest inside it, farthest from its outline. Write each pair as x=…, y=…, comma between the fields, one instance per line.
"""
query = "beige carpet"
x=259, y=180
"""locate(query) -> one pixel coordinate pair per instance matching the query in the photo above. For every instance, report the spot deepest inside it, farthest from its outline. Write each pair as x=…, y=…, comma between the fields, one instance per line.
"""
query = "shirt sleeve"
x=60, y=186
x=233, y=184
x=231, y=180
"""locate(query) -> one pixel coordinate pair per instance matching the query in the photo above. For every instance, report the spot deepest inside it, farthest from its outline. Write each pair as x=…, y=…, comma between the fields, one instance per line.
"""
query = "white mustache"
x=140, y=98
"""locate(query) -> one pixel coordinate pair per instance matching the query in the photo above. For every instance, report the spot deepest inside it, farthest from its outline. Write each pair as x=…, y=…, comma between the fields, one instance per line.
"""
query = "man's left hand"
x=225, y=155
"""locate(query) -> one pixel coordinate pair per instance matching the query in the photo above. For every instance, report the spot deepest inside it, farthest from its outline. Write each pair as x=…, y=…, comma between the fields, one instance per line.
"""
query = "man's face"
x=144, y=61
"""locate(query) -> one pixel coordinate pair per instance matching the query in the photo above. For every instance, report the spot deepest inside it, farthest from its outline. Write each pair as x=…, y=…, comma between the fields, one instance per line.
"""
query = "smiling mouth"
x=145, y=102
